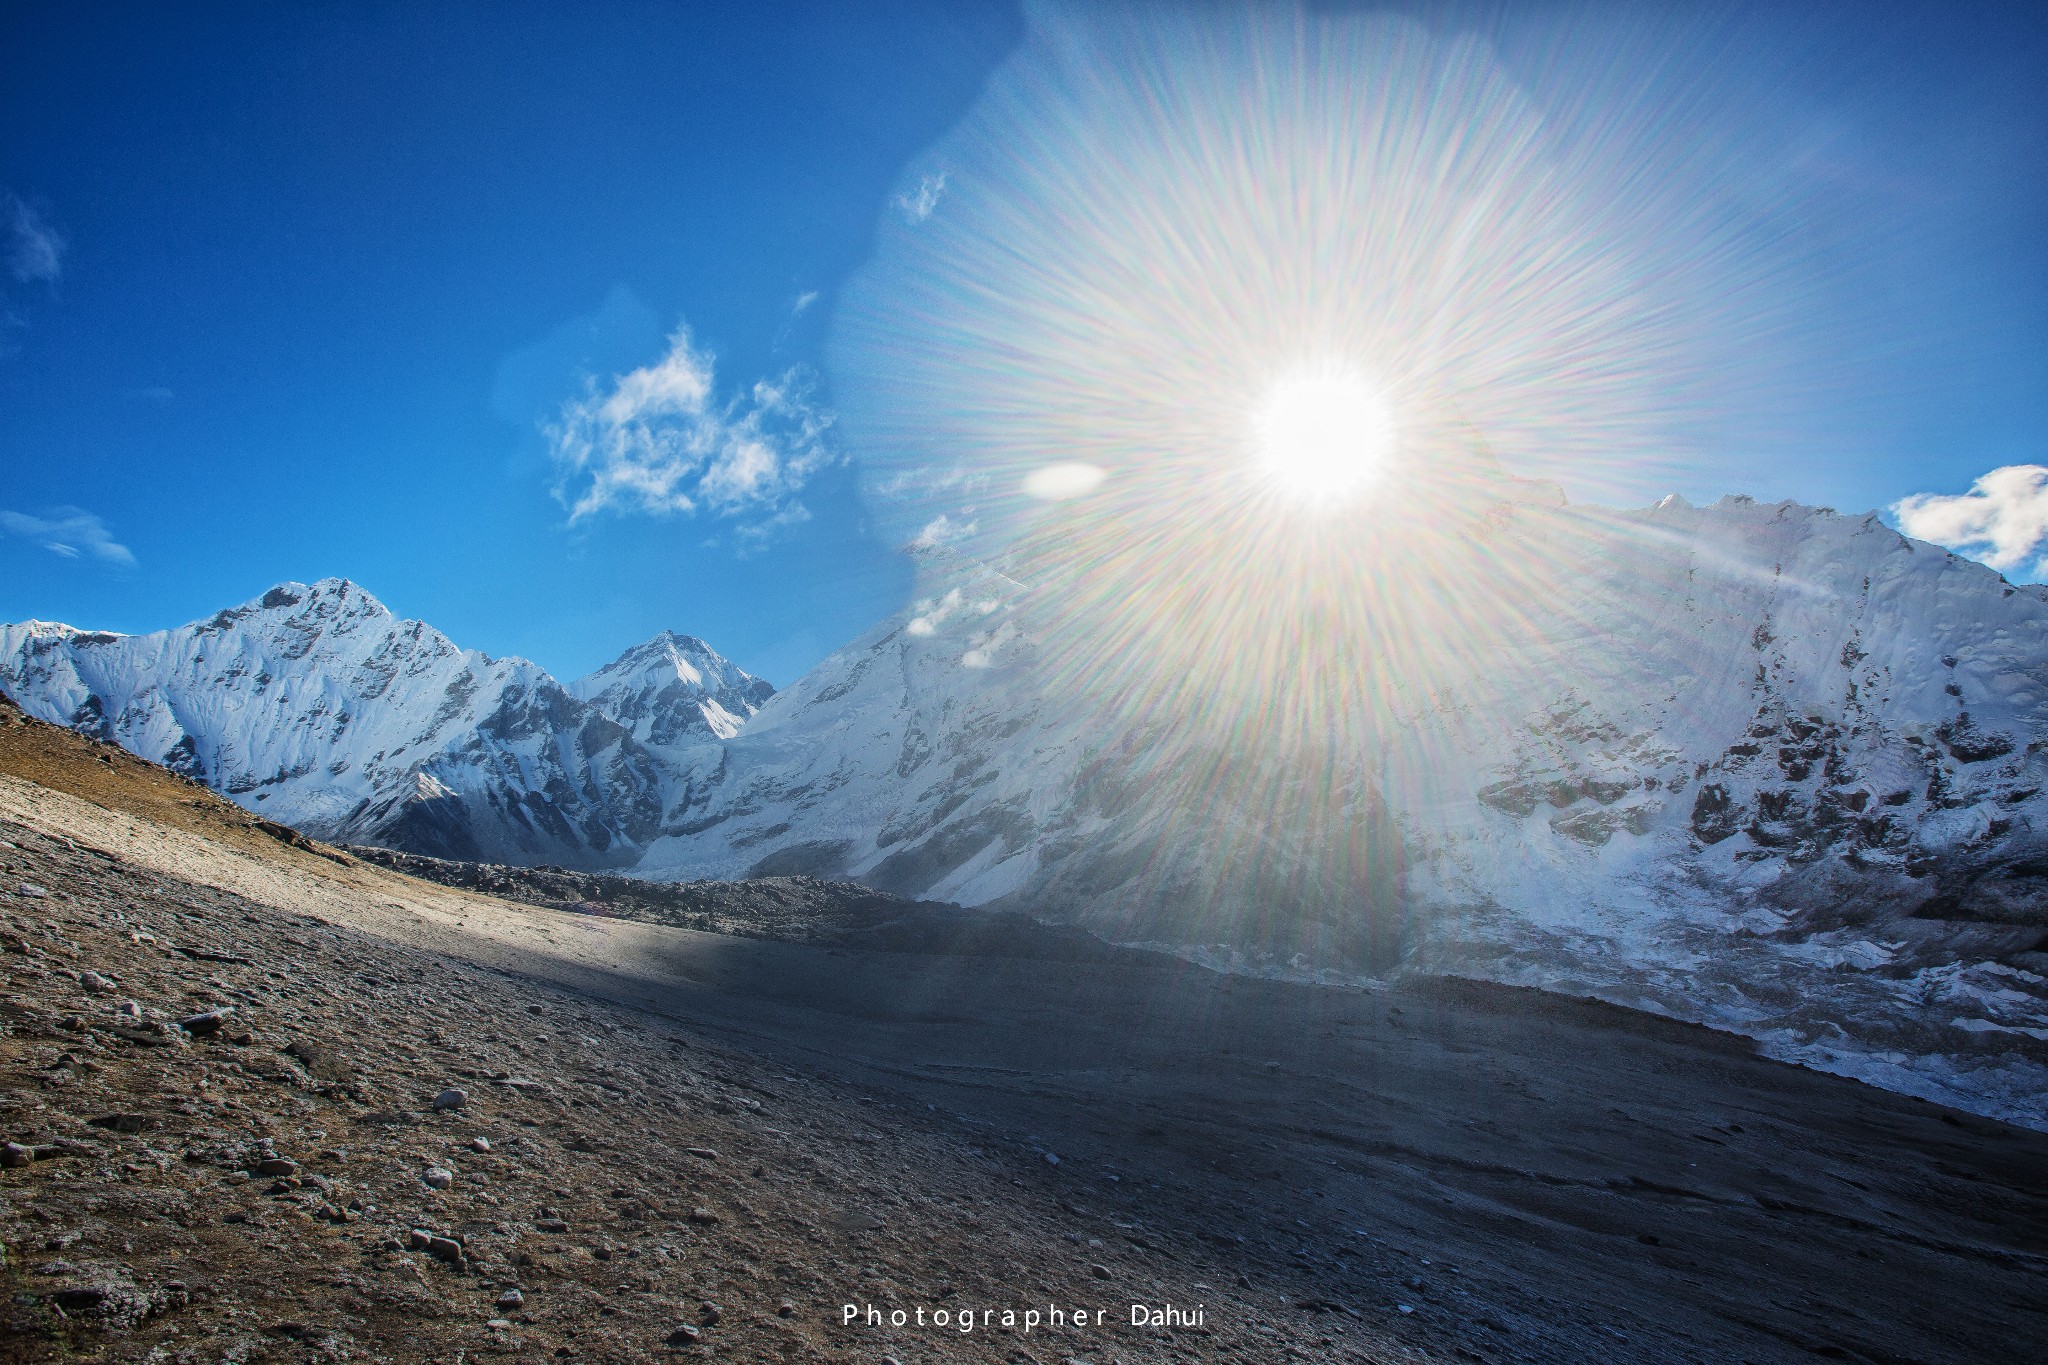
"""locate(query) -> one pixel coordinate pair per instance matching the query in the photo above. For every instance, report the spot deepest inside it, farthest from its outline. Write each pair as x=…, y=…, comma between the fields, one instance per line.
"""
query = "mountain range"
x=1763, y=766
x=316, y=707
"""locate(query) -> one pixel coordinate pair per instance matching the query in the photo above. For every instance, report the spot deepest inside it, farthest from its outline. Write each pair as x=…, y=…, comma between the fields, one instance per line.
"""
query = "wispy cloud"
x=69, y=532
x=2002, y=519
x=803, y=302
x=919, y=204
x=34, y=250
x=662, y=440
x=943, y=529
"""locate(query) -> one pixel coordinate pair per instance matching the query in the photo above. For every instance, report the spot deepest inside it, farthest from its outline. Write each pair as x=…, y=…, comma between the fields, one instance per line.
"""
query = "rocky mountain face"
x=316, y=707
x=1763, y=766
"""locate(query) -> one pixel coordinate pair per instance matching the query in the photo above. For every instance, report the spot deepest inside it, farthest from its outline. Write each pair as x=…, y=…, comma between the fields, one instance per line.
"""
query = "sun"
x=1322, y=438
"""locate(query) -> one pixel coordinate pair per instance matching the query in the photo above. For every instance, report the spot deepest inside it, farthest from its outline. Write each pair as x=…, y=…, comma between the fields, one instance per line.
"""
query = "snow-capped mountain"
x=315, y=706
x=1764, y=766
x=674, y=690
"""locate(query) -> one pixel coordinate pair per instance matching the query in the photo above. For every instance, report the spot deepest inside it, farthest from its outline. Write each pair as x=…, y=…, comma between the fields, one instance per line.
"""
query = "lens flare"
x=1199, y=269
x=1322, y=438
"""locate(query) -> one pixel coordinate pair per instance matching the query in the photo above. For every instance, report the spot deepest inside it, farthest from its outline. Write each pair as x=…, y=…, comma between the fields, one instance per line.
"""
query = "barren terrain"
x=228, y=1051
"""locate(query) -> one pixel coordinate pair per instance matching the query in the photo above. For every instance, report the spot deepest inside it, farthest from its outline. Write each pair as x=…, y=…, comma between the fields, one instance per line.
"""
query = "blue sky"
x=292, y=291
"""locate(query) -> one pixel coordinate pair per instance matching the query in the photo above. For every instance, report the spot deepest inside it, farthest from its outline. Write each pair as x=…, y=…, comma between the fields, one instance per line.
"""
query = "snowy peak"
x=317, y=706
x=674, y=690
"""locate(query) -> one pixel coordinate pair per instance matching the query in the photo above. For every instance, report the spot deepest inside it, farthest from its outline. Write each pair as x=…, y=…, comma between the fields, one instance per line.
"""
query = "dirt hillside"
x=228, y=1055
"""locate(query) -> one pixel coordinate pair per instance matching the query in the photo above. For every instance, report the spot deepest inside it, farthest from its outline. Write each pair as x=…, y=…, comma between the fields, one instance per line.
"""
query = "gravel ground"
x=246, y=1134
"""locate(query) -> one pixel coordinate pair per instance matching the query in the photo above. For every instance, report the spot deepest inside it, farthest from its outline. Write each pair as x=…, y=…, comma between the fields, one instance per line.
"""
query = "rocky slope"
x=385, y=1154
x=316, y=707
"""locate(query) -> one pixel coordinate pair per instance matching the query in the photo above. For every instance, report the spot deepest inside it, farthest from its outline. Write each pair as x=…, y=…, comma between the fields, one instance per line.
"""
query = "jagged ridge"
x=315, y=706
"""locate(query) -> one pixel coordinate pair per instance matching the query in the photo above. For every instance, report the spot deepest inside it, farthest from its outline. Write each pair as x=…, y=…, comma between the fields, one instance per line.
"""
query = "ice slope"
x=1765, y=766
x=315, y=706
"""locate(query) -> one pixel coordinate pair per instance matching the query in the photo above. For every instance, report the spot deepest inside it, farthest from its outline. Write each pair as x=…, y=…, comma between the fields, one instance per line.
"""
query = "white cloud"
x=68, y=532
x=803, y=302
x=943, y=530
x=35, y=252
x=1058, y=482
x=918, y=204
x=660, y=440
x=2001, y=520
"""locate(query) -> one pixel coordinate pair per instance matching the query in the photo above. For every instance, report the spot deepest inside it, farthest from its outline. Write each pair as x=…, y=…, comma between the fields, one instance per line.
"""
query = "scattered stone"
x=550, y=1225
x=700, y=1214
x=31, y=891
x=480, y=1144
x=445, y=1249
x=125, y=1123
x=1051, y=1159
x=1100, y=1272
x=14, y=1155
x=203, y=955
x=511, y=1301
x=92, y=983
x=318, y=1059
x=701, y=1153
x=785, y=1309
x=709, y=1314
x=49, y=1151
x=451, y=1098
x=205, y=1025
x=440, y=1177
x=277, y=1166
x=686, y=1335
